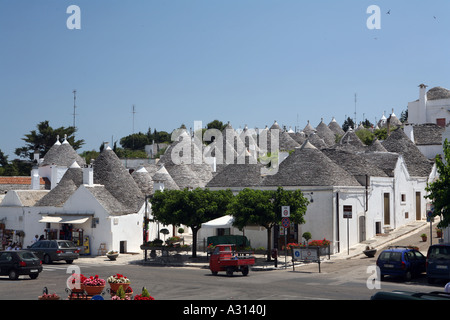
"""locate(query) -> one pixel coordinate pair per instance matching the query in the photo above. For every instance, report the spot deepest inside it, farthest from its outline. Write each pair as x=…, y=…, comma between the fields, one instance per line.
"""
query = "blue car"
x=438, y=262
x=403, y=262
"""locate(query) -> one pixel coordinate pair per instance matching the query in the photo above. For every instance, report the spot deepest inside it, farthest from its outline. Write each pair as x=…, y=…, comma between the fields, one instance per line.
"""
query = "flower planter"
x=115, y=286
x=93, y=290
x=370, y=253
x=113, y=256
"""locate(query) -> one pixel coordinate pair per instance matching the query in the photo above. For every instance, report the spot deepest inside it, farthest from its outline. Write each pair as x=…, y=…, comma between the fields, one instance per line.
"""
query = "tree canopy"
x=439, y=190
x=263, y=208
x=44, y=138
x=191, y=208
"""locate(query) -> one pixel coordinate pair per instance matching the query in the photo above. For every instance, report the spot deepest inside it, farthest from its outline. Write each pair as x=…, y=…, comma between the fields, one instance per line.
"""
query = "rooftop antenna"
x=133, y=112
x=74, y=106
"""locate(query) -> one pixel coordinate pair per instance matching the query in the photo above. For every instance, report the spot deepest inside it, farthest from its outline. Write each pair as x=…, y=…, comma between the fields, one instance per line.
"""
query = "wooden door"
x=418, y=206
x=387, y=209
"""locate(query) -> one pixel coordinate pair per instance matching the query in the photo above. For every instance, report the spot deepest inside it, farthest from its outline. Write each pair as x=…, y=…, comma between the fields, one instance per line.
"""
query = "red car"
x=225, y=258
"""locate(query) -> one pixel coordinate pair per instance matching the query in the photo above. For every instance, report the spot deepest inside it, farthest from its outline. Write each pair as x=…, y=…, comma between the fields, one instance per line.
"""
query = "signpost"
x=306, y=254
x=348, y=215
x=430, y=219
x=285, y=223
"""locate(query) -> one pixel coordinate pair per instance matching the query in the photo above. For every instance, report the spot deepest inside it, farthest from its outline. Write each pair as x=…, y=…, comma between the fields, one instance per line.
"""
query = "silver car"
x=55, y=250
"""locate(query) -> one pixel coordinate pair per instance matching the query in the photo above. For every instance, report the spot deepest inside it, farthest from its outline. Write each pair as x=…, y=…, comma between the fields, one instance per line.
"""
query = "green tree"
x=136, y=141
x=439, y=190
x=191, y=208
x=263, y=208
x=44, y=138
x=365, y=136
x=216, y=124
x=381, y=134
x=348, y=123
x=404, y=116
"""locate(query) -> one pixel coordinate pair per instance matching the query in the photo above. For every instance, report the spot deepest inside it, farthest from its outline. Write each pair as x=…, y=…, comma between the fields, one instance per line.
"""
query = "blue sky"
x=249, y=62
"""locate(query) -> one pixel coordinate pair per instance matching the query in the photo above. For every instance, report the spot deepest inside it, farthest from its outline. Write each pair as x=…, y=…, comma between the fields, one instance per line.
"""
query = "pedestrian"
x=41, y=237
x=36, y=239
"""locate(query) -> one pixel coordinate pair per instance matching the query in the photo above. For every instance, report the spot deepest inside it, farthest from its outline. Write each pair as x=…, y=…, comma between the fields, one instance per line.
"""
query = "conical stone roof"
x=418, y=165
x=335, y=127
x=325, y=133
x=308, y=166
x=110, y=172
x=162, y=175
x=143, y=180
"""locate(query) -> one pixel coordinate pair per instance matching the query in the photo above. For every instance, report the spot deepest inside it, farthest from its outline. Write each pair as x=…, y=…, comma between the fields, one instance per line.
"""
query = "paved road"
x=343, y=279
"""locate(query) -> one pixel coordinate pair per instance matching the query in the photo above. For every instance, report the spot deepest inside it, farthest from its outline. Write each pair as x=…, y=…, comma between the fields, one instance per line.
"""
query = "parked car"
x=407, y=295
x=14, y=263
x=405, y=262
x=438, y=262
x=55, y=250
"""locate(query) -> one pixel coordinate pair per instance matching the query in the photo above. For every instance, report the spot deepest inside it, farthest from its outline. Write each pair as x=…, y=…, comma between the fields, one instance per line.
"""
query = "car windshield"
x=391, y=256
x=66, y=244
x=439, y=252
x=27, y=255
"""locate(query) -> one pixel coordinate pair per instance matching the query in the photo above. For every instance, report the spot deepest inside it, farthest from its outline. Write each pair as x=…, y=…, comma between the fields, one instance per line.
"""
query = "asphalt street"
x=341, y=278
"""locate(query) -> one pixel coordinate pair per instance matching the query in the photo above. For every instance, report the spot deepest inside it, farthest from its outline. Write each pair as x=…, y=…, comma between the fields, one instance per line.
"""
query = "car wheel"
x=69, y=261
x=34, y=276
x=47, y=259
x=408, y=276
x=245, y=271
x=13, y=275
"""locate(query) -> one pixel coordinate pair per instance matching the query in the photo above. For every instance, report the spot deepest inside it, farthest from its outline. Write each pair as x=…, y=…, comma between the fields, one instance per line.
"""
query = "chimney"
x=88, y=175
x=158, y=185
x=35, y=179
x=36, y=156
x=422, y=103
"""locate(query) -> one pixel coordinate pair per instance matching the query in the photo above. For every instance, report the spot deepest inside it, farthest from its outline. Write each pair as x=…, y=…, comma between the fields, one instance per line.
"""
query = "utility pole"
x=74, y=106
x=133, y=112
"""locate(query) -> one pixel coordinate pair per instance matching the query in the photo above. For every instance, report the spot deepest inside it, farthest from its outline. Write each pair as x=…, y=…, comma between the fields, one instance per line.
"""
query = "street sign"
x=430, y=217
x=306, y=254
x=285, y=222
x=347, y=212
x=285, y=211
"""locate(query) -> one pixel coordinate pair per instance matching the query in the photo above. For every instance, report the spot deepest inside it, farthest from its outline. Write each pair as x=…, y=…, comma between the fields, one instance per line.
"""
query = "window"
x=441, y=122
x=36, y=245
x=5, y=256
x=27, y=255
x=403, y=197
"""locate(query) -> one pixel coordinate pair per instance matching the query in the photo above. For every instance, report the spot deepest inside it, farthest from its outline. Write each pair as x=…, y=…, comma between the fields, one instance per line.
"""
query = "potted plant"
x=94, y=285
x=77, y=283
x=46, y=296
x=370, y=252
x=118, y=280
x=439, y=232
x=144, y=295
x=120, y=295
x=424, y=237
x=112, y=255
x=307, y=236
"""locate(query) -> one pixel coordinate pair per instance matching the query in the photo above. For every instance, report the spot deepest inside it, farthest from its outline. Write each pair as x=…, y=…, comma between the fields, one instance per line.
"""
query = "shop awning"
x=222, y=222
x=76, y=219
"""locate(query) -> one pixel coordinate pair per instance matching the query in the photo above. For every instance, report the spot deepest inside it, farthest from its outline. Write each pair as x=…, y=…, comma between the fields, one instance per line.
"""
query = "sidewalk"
x=201, y=261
